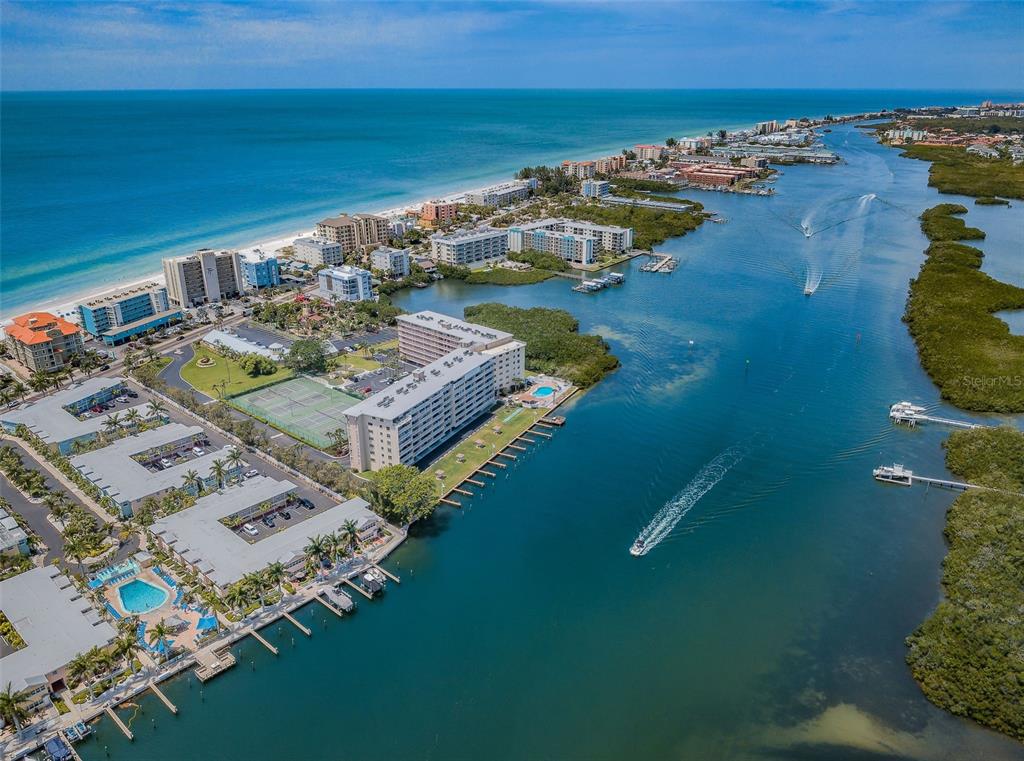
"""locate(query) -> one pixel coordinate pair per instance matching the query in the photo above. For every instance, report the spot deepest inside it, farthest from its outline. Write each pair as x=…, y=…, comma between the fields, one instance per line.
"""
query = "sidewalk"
x=64, y=481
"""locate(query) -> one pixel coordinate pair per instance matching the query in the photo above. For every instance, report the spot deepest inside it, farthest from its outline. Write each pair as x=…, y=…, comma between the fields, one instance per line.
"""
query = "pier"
x=298, y=624
x=320, y=599
x=359, y=589
x=910, y=414
x=388, y=574
x=120, y=724
x=163, y=698
x=900, y=476
x=660, y=263
x=259, y=638
x=213, y=662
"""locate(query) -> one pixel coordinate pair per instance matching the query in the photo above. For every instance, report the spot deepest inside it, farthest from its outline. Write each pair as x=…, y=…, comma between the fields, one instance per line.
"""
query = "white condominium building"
x=469, y=248
x=393, y=261
x=203, y=277
x=504, y=194
x=576, y=242
x=345, y=283
x=425, y=337
x=355, y=231
x=411, y=418
x=317, y=251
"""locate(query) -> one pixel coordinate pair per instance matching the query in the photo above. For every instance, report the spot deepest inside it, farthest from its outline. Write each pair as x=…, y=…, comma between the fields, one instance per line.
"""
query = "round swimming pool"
x=138, y=596
x=542, y=391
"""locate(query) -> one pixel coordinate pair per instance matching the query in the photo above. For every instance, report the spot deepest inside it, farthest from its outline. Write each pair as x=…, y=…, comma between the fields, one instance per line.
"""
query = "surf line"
x=673, y=511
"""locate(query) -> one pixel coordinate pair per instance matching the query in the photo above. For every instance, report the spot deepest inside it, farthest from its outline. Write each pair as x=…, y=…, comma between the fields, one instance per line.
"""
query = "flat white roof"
x=48, y=419
x=125, y=480
x=55, y=621
x=197, y=533
x=401, y=396
x=453, y=326
x=240, y=345
x=11, y=534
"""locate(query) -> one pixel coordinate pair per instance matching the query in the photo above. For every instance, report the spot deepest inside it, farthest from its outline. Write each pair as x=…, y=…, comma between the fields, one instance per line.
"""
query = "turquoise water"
x=542, y=391
x=97, y=187
x=767, y=623
x=138, y=596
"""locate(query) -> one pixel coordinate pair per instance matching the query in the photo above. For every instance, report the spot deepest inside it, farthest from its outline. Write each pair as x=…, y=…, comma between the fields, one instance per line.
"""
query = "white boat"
x=894, y=474
x=638, y=548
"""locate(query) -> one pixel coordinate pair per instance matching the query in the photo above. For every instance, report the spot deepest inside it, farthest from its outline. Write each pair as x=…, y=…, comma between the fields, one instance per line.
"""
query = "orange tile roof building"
x=437, y=213
x=42, y=341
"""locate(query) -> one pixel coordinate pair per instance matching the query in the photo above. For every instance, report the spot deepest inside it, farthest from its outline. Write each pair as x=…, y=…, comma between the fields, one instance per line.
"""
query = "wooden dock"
x=120, y=724
x=359, y=589
x=320, y=599
x=540, y=433
x=506, y=454
x=163, y=698
x=475, y=483
x=497, y=464
x=298, y=625
x=451, y=502
x=462, y=491
x=213, y=662
x=259, y=638
x=488, y=473
x=517, y=447
x=388, y=573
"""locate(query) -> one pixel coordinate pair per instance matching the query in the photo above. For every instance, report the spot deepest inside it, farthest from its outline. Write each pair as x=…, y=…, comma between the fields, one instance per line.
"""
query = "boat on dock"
x=911, y=414
x=894, y=474
x=339, y=599
x=370, y=582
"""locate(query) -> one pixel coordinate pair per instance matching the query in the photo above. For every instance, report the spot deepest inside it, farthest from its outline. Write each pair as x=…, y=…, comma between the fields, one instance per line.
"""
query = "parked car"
x=267, y=521
x=286, y=515
x=198, y=452
x=250, y=529
x=251, y=473
x=166, y=463
x=307, y=504
x=132, y=394
x=122, y=399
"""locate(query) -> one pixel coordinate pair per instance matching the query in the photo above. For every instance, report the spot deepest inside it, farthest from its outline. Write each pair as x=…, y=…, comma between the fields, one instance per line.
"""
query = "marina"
x=600, y=283
x=665, y=263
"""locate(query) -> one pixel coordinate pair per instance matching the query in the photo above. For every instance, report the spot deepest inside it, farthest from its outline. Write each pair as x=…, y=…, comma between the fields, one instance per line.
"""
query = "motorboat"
x=638, y=548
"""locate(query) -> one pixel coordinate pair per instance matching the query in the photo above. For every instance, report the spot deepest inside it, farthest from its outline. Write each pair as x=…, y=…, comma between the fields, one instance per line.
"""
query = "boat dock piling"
x=388, y=574
x=451, y=502
x=359, y=589
x=465, y=493
x=660, y=263
x=259, y=638
x=911, y=414
x=120, y=724
x=320, y=599
x=298, y=624
x=487, y=473
x=475, y=482
x=897, y=474
x=163, y=698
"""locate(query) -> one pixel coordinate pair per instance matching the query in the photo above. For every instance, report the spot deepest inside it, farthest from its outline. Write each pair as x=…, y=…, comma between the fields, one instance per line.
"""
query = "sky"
x=97, y=45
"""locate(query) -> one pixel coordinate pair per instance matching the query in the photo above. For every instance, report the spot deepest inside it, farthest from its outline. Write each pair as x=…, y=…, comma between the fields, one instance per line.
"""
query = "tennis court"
x=300, y=406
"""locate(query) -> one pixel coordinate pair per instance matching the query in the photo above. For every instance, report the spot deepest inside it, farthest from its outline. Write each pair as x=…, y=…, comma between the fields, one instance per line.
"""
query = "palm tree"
x=158, y=636
x=350, y=532
x=234, y=458
x=253, y=583
x=74, y=547
x=236, y=597
x=101, y=661
x=316, y=551
x=12, y=708
x=39, y=381
x=126, y=647
x=274, y=574
x=156, y=407
x=218, y=471
x=133, y=417
x=193, y=481
x=112, y=423
x=18, y=389
x=57, y=503
x=79, y=669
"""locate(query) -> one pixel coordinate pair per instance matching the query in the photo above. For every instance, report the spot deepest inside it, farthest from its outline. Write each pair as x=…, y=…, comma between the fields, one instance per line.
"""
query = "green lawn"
x=512, y=420
x=359, y=362
x=209, y=380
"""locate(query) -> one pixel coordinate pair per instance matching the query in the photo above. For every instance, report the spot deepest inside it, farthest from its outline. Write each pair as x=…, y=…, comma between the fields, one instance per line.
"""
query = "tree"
x=126, y=647
x=350, y=532
x=671, y=142
x=338, y=437
x=159, y=638
x=157, y=408
x=316, y=552
x=721, y=134
x=80, y=669
x=253, y=583
x=193, y=482
x=274, y=574
x=236, y=597
x=234, y=458
x=218, y=471
x=12, y=706
x=112, y=423
x=133, y=417
x=401, y=494
x=307, y=355
x=39, y=381
x=75, y=547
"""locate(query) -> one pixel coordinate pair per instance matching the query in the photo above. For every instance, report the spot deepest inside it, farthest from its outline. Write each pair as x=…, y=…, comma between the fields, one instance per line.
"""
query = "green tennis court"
x=300, y=406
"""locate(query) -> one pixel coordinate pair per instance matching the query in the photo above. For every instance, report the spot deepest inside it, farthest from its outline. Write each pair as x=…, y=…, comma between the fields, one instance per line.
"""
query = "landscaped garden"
x=225, y=377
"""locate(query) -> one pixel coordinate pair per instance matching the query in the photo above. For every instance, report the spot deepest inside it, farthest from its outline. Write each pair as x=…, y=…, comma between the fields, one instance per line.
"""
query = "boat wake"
x=812, y=281
x=673, y=511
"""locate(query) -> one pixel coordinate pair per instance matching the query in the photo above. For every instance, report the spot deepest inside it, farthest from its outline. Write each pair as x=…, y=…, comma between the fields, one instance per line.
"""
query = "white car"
x=166, y=463
x=250, y=529
x=198, y=452
x=251, y=473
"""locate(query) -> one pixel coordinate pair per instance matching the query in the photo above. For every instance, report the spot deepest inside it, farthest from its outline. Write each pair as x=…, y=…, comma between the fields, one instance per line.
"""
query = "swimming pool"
x=542, y=391
x=138, y=596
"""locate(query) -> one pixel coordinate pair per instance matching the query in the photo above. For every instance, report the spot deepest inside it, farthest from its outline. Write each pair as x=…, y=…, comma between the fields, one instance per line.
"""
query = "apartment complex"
x=583, y=170
x=393, y=261
x=504, y=194
x=649, y=152
x=425, y=337
x=434, y=214
x=469, y=248
x=354, y=232
x=42, y=341
x=766, y=128
x=345, y=283
x=411, y=418
x=715, y=174
x=574, y=241
x=317, y=251
x=118, y=317
x=260, y=270
x=204, y=277
x=610, y=164
x=595, y=188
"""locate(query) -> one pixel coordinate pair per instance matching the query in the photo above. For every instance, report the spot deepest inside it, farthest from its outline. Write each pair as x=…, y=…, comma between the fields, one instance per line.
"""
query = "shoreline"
x=66, y=305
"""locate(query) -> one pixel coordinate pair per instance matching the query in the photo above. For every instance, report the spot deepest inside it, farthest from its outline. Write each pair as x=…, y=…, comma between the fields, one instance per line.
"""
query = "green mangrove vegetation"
x=967, y=656
x=554, y=345
x=954, y=170
x=969, y=353
x=991, y=201
x=650, y=226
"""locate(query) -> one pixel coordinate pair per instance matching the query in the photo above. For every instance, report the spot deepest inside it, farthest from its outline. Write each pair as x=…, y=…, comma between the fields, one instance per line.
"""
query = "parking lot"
x=292, y=513
x=120, y=404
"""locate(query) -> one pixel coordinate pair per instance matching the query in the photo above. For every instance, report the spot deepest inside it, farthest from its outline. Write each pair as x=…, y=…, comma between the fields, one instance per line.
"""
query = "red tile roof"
x=32, y=328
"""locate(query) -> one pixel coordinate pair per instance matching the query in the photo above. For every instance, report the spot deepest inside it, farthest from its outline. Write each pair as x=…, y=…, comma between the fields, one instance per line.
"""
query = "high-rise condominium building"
x=207, y=276
x=354, y=232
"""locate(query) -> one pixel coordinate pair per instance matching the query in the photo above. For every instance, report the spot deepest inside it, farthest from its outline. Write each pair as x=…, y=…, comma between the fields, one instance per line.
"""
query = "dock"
x=259, y=638
x=660, y=263
x=900, y=476
x=213, y=662
x=298, y=624
x=359, y=589
x=910, y=414
x=600, y=283
x=163, y=698
x=339, y=601
x=481, y=484
x=120, y=724
x=388, y=574
x=555, y=420
x=450, y=502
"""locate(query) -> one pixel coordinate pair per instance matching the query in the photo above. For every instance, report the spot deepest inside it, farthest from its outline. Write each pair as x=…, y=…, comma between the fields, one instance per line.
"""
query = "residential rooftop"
x=197, y=534
x=11, y=534
x=401, y=396
x=454, y=327
x=55, y=620
x=121, y=295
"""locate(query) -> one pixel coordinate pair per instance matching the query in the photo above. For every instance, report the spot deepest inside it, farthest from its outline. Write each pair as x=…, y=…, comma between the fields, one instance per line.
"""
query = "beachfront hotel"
x=151, y=464
x=60, y=419
x=354, y=232
x=207, y=276
x=120, y=316
x=503, y=194
x=470, y=248
x=42, y=341
x=649, y=152
x=434, y=214
x=411, y=418
x=197, y=537
x=318, y=251
x=426, y=337
x=393, y=261
x=575, y=242
x=260, y=270
x=345, y=283
x=582, y=170
x=56, y=623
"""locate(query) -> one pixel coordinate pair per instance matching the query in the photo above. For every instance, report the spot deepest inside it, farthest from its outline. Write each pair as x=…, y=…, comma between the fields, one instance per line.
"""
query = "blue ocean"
x=98, y=186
